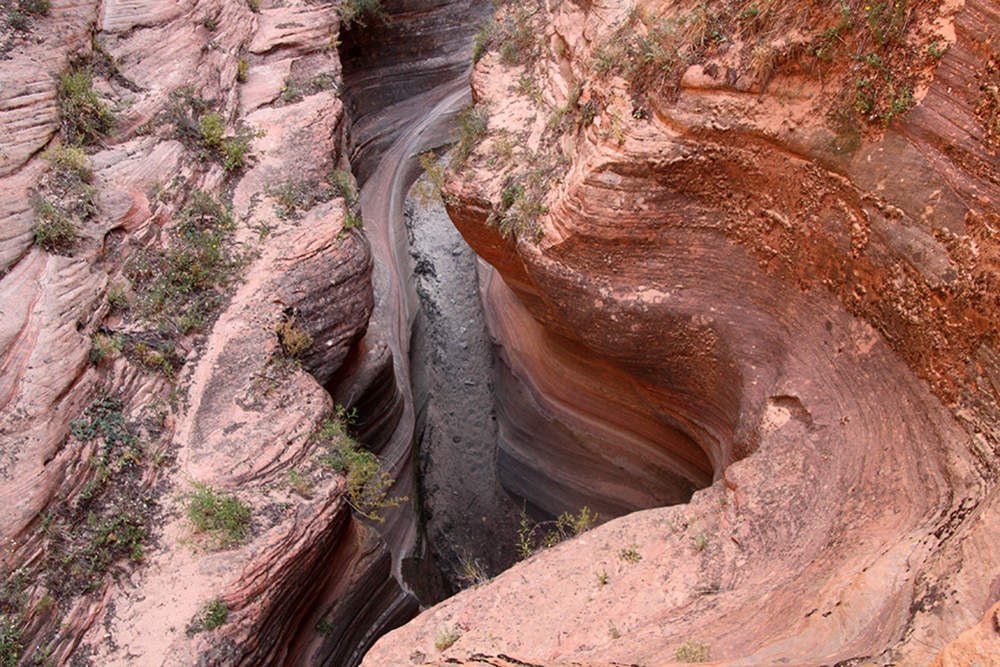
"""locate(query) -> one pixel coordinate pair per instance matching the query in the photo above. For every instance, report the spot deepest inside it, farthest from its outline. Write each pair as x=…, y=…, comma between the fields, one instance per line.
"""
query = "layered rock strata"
x=113, y=410
x=728, y=280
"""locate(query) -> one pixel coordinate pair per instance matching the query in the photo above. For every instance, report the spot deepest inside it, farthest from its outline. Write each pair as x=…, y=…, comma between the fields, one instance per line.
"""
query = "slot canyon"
x=313, y=315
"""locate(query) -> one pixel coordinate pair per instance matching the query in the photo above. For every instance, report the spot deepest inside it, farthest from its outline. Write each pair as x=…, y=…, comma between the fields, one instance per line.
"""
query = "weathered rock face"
x=130, y=376
x=725, y=283
x=396, y=67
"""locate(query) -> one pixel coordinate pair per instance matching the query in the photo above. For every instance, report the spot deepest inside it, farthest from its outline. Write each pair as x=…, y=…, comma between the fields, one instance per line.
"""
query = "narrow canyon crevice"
x=760, y=346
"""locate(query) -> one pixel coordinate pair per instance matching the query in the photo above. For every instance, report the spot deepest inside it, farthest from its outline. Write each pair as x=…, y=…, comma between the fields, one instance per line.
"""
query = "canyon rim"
x=734, y=289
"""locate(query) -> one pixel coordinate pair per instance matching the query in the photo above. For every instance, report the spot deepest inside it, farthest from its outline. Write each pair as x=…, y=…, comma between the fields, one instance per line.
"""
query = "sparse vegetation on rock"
x=693, y=651
x=533, y=537
x=181, y=285
x=294, y=339
x=85, y=117
x=446, y=637
x=213, y=615
x=219, y=514
x=368, y=483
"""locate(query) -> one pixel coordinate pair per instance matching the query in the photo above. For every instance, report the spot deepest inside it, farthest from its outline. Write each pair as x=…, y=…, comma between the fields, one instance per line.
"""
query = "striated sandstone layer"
x=112, y=408
x=731, y=280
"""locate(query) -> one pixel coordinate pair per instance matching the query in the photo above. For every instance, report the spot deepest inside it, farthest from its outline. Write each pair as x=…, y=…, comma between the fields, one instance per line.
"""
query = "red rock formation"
x=726, y=287
x=227, y=411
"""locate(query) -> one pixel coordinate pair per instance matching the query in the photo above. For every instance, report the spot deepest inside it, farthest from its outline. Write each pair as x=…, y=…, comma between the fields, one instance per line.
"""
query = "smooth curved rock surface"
x=718, y=294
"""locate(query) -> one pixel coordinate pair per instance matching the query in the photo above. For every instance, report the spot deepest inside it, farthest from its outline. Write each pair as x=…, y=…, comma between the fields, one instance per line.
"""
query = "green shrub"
x=242, y=69
x=473, y=124
x=213, y=511
x=103, y=347
x=533, y=537
x=630, y=553
x=368, y=484
x=361, y=11
x=294, y=195
x=39, y=7
x=18, y=21
x=235, y=149
x=692, y=651
x=117, y=297
x=85, y=118
x=291, y=92
x=11, y=634
x=215, y=614
x=72, y=160
x=184, y=282
x=52, y=229
x=103, y=418
x=113, y=536
x=212, y=127
x=343, y=185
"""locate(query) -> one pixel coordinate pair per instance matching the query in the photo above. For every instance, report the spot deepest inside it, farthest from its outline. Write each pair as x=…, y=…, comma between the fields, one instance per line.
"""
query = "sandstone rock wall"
x=185, y=396
x=728, y=278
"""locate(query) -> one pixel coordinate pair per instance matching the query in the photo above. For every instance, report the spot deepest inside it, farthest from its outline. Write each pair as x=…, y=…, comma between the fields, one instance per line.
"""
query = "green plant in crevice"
x=37, y=7
x=212, y=126
x=517, y=34
x=361, y=12
x=368, y=483
x=104, y=418
x=445, y=638
x=292, y=337
x=533, y=537
x=471, y=571
x=182, y=284
x=11, y=636
x=473, y=124
x=214, y=614
x=242, y=69
x=52, y=229
x=630, y=553
x=291, y=92
x=231, y=150
x=699, y=541
x=85, y=118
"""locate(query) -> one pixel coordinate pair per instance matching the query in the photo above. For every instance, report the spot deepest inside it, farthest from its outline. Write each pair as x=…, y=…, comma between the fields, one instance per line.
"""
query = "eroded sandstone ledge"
x=728, y=288
x=209, y=399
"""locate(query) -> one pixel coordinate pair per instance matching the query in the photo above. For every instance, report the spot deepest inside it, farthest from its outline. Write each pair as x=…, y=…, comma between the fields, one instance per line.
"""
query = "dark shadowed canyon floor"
x=469, y=518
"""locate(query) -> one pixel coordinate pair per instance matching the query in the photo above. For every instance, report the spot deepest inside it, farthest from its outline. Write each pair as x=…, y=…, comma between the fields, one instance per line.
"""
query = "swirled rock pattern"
x=720, y=292
x=220, y=404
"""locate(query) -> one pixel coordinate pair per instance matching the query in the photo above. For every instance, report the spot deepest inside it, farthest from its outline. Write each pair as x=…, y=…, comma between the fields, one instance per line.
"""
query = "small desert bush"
x=445, y=638
x=85, y=118
x=533, y=537
x=217, y=513
x=294, y=339
x=52, y=229
x=368, y=483
x=360, y=12
x=473, y=124
x=692, y=651
x=212, y=615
